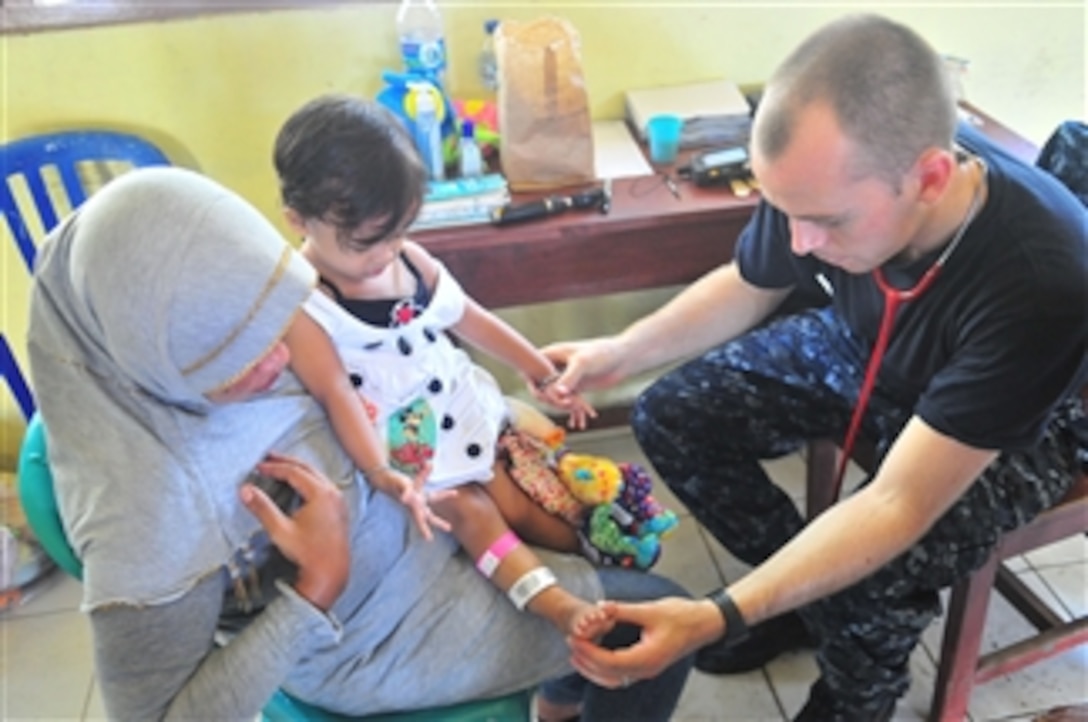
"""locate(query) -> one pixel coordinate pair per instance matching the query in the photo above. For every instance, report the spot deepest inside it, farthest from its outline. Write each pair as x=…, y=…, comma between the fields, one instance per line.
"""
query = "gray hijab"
x=161, y=288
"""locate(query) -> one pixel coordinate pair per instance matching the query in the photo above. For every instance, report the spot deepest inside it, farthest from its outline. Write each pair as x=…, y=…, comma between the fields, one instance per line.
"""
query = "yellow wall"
x=212, y=91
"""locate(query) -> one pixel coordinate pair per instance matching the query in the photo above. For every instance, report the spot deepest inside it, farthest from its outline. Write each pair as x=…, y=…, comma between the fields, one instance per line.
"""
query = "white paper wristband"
x=529, y=585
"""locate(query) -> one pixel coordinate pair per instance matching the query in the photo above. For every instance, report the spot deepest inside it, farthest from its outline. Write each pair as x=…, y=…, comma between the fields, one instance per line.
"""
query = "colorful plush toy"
x=609, y=503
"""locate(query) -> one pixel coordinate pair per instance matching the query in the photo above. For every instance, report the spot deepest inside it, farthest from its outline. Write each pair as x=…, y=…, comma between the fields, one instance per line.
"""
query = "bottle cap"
x=468, y=130
x=490, y=25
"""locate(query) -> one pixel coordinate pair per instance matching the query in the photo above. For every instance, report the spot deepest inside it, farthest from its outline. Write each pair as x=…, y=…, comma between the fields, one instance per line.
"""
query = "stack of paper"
x=615, y=152
x=714, y=112
x=461, y=201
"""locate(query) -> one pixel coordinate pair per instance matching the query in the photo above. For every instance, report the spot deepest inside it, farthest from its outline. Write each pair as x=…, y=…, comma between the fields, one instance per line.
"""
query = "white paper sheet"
x=615, y=152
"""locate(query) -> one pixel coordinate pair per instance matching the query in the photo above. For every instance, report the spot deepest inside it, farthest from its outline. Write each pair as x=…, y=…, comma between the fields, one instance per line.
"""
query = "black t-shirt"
x=999, y=338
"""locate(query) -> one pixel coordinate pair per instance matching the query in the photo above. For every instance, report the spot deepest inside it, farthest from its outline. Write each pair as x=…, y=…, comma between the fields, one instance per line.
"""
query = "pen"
x=671, y=185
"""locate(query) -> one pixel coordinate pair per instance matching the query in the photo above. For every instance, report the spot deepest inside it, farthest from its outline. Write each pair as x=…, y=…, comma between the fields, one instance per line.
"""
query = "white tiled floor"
x=46, y=670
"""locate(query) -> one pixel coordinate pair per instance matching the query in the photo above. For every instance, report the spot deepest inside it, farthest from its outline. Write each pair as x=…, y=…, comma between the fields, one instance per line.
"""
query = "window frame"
x=31, y=16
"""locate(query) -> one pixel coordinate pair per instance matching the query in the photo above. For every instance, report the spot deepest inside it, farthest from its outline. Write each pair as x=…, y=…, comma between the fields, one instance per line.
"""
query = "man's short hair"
x=888, y=89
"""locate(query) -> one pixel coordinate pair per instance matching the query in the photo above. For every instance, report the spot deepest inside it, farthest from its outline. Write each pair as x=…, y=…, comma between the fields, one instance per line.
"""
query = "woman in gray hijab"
x=156, y=324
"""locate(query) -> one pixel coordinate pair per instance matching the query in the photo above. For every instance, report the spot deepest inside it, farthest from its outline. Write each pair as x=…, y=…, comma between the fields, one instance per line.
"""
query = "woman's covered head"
x=170, y=281
x=346, y=161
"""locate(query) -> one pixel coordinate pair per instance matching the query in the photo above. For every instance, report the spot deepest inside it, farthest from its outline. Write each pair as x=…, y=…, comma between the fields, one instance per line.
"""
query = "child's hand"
x=574, y=404
x=580, y=412
x=409, y=491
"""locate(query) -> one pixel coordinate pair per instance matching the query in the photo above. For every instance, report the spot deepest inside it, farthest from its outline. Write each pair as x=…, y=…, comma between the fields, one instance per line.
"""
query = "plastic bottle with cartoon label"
x=422, y=39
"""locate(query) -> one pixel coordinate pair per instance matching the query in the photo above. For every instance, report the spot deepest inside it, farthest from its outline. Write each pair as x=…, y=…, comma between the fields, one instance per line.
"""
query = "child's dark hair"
x=346, y=160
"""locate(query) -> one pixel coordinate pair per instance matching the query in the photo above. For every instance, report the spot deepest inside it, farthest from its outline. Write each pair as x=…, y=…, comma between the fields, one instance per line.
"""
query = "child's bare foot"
x=572, y=615
x=592, y=621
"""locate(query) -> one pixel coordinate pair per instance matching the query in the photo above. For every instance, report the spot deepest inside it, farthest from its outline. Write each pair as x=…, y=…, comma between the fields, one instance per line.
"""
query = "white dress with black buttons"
x=428, y=399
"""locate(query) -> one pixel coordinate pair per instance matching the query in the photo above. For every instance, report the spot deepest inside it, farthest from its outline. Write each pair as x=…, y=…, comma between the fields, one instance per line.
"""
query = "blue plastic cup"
x=663, y=132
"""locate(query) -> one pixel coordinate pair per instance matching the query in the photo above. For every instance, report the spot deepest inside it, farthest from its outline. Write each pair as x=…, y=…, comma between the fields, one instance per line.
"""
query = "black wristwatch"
x=736, y=629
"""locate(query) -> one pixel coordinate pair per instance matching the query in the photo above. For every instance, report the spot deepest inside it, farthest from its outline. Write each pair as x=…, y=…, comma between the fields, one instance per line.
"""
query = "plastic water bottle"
x=472, y=161
x=487, y=65
x=428, y=132
x=422, y=39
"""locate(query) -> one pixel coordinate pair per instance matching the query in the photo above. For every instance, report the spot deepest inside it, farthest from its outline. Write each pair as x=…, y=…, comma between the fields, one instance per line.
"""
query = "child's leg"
x=530, y=520
x=482, y=531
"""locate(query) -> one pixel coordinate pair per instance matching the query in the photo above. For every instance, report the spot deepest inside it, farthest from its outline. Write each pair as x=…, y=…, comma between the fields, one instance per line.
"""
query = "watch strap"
x=736, y=629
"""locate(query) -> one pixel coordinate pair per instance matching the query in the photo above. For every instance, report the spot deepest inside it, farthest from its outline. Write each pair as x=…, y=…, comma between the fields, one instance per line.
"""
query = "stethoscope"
x=893, y=299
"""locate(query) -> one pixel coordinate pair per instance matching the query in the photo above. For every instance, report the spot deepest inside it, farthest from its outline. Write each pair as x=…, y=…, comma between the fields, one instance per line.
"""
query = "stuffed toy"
x=610, y=504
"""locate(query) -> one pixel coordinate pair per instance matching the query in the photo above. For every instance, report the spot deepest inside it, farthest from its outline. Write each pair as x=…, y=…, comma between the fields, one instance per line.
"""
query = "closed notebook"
x=704, y=106
x=460, y=210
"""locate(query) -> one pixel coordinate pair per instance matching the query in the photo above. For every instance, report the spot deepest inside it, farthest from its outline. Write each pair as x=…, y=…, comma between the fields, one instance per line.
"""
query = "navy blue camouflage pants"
x=705, y=426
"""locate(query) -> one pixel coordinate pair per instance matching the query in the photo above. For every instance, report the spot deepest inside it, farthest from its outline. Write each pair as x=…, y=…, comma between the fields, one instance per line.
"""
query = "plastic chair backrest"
x=47, y=176
x=9, y=371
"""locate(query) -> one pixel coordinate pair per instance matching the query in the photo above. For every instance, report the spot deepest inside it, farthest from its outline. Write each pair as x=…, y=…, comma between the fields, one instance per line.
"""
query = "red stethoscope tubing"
x=893, y=298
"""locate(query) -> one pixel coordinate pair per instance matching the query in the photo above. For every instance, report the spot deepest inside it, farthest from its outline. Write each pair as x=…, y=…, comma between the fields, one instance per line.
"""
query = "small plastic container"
x=472, y=161
x=663, y=132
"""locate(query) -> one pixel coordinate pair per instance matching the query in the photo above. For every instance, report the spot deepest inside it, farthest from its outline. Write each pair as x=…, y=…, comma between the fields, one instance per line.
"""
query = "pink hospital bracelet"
x=489, y=560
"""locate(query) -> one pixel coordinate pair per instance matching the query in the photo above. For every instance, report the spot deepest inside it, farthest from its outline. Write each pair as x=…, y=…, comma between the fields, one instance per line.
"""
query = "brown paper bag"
x=546, y=138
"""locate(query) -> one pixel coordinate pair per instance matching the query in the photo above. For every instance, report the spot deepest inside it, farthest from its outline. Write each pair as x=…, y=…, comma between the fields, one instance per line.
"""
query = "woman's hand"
x=671, y=628
x=409, y=491
x=314, y=536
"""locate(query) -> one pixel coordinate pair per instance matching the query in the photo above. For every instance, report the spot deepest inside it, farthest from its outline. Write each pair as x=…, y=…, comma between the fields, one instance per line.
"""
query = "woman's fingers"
x=299, y=475
x=266, y=511
x=314, y=536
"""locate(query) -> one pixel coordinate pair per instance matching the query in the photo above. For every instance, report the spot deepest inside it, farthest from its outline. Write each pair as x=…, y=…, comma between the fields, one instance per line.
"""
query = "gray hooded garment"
x=161, y=288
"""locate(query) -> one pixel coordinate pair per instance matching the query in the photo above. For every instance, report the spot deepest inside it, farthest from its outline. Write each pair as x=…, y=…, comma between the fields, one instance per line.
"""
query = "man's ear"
x=934, y=170
x=295, y=220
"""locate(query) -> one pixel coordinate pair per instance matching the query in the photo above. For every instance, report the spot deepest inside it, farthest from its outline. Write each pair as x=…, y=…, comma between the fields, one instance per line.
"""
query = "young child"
x=417, y=416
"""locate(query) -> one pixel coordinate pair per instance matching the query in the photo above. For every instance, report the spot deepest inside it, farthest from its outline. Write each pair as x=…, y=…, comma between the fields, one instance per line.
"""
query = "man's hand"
x=586, y=365
x=314, y=536
x=672, y=628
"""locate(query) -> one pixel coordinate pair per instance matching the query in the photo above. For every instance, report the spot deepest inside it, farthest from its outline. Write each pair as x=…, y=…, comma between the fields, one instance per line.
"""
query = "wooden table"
x=650, y=239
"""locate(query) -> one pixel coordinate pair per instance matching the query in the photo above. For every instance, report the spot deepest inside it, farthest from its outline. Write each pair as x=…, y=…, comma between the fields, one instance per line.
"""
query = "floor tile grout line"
x=1070, y=614
x=85, y=715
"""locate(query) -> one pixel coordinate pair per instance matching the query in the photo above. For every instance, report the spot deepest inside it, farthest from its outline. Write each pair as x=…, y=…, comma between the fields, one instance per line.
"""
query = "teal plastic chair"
x=36, y=493
x=38, y=500
x=511, y=708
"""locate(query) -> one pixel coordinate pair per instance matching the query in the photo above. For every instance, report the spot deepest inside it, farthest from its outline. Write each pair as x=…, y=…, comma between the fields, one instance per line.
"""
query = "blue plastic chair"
x=9, y=371
x=82, y=160
x=36, y=493
x=46, y=176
